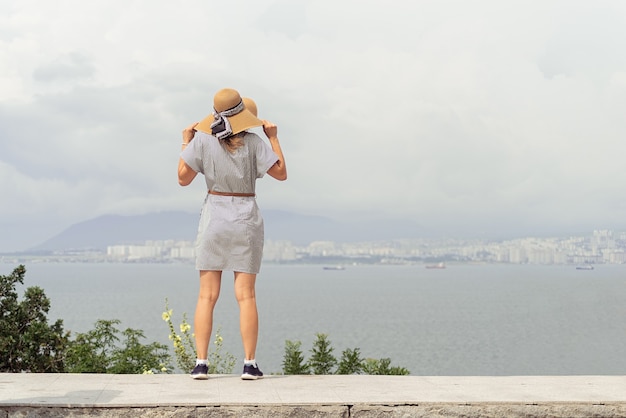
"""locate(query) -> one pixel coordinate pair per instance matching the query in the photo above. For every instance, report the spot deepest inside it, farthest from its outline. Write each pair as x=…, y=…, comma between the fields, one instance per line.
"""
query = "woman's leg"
x=248, y=315
x=210, y=282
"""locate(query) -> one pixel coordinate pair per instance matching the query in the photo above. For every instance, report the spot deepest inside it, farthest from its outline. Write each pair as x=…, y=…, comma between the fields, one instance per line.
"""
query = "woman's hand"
x=279, y=169
x=186, y=173
x=271, y=130
x=189, y=132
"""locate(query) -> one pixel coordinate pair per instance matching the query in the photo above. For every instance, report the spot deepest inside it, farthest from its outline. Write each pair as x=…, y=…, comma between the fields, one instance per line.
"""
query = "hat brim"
x=239, y=123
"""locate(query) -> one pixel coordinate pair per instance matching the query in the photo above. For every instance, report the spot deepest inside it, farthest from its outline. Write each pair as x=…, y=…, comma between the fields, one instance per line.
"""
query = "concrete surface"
x=54, y=395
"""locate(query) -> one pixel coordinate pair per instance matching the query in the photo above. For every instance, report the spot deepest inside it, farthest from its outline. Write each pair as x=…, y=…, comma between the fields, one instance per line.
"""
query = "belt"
x=231, y=194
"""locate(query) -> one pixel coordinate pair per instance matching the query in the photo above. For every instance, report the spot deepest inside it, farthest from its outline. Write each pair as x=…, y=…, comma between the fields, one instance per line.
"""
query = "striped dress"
x=230, y=231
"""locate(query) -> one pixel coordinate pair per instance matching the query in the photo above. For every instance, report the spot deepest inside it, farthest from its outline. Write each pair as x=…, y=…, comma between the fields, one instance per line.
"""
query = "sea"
x=465, y=319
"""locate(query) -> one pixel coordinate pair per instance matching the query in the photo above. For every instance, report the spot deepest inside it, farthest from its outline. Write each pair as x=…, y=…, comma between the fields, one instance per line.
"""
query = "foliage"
x=27, y=341
x=29, y=344
x=351, y=362
x=322, y=360
x=184, y=347
x=382, y=367
x=220, y=363
x=98, y=351
x=293, y=360
x=139, y=358
x=183, y=344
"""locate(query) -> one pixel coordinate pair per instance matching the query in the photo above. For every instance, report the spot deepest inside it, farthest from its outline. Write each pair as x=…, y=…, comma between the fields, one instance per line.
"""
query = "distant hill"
x=106, y=230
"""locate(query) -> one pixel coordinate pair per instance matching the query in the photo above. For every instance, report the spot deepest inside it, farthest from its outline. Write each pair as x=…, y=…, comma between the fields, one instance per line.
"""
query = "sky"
x=477, y=118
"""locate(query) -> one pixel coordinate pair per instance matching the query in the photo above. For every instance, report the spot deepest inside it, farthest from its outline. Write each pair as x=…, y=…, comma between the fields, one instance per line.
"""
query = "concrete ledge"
x=400, y=411
x=72, y=395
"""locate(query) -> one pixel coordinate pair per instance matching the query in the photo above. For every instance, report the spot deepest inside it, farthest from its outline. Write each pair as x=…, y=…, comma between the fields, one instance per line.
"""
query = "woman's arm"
x=186, y=173
x=279, y=169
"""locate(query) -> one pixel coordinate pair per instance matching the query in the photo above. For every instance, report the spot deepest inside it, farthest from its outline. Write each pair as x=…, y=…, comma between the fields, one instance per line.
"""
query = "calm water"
x=463, y=320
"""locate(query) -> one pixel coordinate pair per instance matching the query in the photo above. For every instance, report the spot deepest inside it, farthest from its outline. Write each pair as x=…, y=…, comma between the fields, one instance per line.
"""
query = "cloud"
x=69, y=68
x=454, y=114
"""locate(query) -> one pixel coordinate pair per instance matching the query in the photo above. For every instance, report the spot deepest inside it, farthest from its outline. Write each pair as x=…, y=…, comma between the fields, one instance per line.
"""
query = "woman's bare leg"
x=210, y=282
x=248, y=315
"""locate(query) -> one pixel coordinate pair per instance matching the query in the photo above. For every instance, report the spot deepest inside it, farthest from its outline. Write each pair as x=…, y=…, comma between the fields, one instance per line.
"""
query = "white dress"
x=230, y=231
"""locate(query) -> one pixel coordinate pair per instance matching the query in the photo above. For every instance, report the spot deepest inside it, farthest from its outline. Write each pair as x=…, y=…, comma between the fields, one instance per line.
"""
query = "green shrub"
x=185, y=349
x=382, y=367
x=293, y=360
x=323, y=361
x=27, y=342
x=351, y=362
x=99, y=351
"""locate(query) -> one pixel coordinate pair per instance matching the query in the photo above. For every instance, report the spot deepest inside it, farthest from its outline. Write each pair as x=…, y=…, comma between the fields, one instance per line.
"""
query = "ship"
x=440, y=265
x=585, y=267
x=334, y=268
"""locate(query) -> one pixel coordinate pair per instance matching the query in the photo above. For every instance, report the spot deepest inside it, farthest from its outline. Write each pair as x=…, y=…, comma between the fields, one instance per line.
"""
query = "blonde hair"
x=234, y=141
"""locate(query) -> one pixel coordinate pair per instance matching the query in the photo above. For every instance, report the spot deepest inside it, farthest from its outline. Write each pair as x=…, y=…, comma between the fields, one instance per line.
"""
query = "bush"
x=293, y=360
x=27, y=342
x=98, y=351
x=351, y=362
x=382, y=367
x=185, y=351
x=322, y=360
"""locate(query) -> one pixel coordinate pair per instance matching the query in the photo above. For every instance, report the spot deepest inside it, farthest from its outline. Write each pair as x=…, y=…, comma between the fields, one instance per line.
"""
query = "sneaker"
x=200, y=372
x=251, y=373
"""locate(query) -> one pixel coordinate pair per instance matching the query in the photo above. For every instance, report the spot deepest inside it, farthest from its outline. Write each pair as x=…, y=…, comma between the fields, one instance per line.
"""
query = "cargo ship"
x=441, y=265
x=334, y=268
x=585, y=267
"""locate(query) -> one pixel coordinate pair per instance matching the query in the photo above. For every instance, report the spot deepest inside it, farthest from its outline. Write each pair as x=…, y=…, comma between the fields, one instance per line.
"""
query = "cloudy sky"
x=470, y=116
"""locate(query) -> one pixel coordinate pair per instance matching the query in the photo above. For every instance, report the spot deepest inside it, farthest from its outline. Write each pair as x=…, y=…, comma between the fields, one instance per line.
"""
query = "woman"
x=230, y=232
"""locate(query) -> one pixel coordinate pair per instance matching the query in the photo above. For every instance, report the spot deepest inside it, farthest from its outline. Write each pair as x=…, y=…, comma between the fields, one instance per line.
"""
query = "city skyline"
x=600, y=247
x=280, y=226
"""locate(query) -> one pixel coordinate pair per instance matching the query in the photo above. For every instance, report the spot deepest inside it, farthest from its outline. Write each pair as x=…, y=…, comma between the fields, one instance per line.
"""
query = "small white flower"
x=166, y=315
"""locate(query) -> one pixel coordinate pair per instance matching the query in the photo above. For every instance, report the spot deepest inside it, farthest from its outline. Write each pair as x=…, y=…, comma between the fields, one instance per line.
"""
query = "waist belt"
x=231, y=194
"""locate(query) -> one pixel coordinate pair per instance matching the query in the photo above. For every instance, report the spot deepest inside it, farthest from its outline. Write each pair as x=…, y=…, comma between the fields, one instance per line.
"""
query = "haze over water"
x=462, y=320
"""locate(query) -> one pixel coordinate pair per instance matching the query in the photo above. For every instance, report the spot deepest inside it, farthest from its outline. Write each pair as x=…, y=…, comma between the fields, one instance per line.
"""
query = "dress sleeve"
x=192, y=154
x=265, y=157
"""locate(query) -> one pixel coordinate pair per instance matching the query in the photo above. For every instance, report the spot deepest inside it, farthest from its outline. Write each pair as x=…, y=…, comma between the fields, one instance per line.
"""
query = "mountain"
x=106, y=230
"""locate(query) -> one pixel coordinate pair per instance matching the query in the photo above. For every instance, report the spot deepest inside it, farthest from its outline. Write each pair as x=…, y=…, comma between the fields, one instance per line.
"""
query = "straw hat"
x=251, y=106
x=231, y=115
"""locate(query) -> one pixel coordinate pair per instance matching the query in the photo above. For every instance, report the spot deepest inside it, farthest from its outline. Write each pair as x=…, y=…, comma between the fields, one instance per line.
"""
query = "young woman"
x=230, y=232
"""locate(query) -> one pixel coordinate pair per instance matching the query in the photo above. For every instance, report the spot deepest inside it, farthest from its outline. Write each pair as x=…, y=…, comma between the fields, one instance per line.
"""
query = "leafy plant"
x=184, y=346
x=27, y=342
x=382, y=367
x=220, y=363
x=90, y=352
x=293, y=360
x=322, y=359
x=135, y=357
x=351, y=362
x=98, y=351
